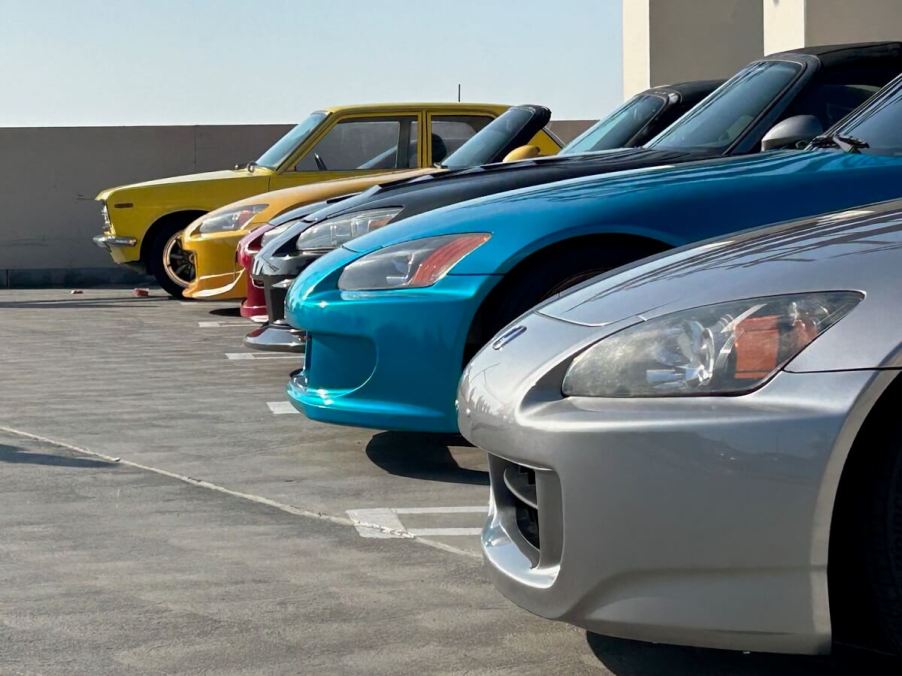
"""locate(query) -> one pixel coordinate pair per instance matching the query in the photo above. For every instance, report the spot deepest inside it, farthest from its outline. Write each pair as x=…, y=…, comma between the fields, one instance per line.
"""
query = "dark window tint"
x=718, y=121
x=619, y=127
x=830, y=102
x=879, y=124
x=483, y=147
x=450, y=132
x=353, y=144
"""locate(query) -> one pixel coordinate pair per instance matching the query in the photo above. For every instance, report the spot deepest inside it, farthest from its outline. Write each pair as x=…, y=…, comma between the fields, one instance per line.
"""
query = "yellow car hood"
x=279, y=201
x=205, y=176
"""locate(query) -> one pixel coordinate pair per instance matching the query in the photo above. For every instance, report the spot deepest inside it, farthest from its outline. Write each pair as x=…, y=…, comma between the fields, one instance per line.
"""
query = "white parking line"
x=383, y=522
x=251, y=356
x=205, y=304
x=281, y=408
x=433, y=532
x=259, y=499
x=479, y=509
x=222, y=325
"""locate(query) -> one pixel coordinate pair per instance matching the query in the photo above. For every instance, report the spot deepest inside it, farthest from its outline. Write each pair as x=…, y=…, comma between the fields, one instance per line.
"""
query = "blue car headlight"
x=409, y=265
x=727, y=348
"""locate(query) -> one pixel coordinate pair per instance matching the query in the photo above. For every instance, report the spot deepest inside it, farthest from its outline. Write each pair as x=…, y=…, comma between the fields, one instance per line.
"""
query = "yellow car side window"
x=363, y=144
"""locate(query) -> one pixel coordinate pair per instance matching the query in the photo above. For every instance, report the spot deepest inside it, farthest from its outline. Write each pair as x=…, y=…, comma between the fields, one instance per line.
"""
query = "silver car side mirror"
x=790, y=132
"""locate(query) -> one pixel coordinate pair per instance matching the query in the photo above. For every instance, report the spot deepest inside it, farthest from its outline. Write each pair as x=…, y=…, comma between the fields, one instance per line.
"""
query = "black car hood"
x=425, y=193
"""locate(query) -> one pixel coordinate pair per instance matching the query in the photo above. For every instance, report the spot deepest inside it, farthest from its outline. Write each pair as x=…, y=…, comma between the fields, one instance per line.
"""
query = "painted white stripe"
x=481, y=509
x=251, y=356
x=372, y=523
x=222, y=325
x=200, y=483
x=437, y=532
x=383, y=522
x=206, y=303
x=281, y=408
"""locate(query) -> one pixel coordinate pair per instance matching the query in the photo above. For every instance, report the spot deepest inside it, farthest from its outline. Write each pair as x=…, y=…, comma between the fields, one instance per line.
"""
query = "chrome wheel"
x=178, y=263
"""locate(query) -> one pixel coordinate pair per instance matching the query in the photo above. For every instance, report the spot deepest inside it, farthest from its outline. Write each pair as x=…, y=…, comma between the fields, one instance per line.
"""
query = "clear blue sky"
x=92, y=62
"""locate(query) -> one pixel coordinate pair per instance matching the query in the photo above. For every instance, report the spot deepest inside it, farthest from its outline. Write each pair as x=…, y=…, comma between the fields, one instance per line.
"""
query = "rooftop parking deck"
x=163, y=509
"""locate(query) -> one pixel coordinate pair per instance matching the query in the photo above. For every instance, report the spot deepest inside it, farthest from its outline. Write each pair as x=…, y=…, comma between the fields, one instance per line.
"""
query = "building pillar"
x=796, y=23
x=666, y=41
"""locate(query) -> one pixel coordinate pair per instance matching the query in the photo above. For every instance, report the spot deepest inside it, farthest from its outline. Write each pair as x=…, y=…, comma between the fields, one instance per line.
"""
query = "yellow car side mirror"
x=522, y=153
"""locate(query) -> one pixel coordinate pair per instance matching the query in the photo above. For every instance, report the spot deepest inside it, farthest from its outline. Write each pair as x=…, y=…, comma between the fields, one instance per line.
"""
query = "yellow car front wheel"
x=169, y=263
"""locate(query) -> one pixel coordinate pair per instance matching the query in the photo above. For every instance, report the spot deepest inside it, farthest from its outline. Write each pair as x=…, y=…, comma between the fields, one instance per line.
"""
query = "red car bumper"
x=254, y=306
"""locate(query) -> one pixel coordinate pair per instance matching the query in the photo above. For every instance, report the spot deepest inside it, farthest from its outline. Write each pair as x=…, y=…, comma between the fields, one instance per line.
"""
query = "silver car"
x=706, y=448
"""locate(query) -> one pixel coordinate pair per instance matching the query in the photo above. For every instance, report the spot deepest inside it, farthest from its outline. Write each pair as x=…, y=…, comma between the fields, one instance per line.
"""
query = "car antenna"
x=458, y=92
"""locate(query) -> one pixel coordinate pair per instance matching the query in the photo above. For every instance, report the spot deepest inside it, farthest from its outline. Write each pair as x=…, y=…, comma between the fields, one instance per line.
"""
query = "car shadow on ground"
x=422, y=456
x=227, y=311
x=635, y=658
x=16, y=455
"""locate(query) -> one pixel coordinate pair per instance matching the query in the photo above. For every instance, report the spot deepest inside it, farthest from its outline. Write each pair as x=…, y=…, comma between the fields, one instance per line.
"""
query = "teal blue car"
x=393, y=316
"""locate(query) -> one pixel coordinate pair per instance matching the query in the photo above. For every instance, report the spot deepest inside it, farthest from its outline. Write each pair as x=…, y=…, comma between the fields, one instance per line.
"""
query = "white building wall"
x=784, y=25
x=666, y=41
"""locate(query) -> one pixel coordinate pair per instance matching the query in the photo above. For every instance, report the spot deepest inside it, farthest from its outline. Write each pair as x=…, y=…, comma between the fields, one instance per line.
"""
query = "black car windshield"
x=482, y=147
x=878, y=124
x=615, y=130
x=282, y=148
x=718, y=121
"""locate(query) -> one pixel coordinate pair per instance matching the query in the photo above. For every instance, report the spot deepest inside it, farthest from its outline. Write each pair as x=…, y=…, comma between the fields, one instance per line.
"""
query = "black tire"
x=155, y=263
x=872, y=535
x=548, y=274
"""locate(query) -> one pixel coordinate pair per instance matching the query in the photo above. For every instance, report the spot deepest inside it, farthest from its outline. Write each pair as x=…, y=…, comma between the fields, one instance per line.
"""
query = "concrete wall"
x=49, y=177
x=666, y=41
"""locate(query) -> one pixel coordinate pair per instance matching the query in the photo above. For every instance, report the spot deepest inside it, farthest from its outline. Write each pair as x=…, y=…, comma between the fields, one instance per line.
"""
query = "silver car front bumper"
x=699, y=521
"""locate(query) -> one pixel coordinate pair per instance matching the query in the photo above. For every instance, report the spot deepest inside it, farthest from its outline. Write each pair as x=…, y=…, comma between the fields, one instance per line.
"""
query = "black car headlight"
x=332, y=233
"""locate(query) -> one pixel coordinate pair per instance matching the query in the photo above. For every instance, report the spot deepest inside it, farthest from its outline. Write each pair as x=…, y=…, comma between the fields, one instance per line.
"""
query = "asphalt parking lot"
x=163, y=511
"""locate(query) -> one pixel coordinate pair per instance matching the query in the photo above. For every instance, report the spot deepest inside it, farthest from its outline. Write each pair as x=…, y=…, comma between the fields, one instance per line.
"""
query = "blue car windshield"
x=482, y=147
x=615, y=130
x=878, y=124
x=286, y=145
x=718, y=121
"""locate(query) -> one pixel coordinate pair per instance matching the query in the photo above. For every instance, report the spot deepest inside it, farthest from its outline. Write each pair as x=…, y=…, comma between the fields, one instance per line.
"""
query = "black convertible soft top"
x=696, y=89
x=835, y=55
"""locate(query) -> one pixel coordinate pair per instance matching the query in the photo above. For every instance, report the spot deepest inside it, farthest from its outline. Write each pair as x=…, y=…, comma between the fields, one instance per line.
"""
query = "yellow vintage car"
x=143, y=221
x=212, y=240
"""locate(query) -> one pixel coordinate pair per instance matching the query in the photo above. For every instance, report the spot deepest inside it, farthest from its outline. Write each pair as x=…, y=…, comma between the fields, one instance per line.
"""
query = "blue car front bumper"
x=385, y=359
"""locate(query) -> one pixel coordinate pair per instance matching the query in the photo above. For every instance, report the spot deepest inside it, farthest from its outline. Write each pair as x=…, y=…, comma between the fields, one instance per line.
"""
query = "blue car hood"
x=671, y=204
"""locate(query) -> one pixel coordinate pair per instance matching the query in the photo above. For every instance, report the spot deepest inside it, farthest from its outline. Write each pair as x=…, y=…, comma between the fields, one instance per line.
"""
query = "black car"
x=781, y=101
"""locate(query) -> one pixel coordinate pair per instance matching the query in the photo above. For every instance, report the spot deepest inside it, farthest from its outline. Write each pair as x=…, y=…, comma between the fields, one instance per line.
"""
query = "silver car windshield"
x=286, y=145
x=718, y=121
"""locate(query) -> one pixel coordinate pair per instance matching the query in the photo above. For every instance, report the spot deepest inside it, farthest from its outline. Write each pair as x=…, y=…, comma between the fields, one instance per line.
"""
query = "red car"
x=254, y=306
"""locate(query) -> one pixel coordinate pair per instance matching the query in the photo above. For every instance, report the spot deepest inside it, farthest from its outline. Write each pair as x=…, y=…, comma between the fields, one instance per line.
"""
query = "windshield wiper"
x=848, y=144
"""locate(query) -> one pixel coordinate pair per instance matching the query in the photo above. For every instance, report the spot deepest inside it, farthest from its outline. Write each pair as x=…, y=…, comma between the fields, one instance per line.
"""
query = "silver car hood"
x=858, y=250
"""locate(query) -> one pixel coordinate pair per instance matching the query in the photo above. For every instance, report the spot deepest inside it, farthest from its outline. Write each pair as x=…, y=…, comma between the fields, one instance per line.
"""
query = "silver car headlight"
x=105, y=212
x=229, y=220
x=409, y=265
x=333, y=232
x=728, y=348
